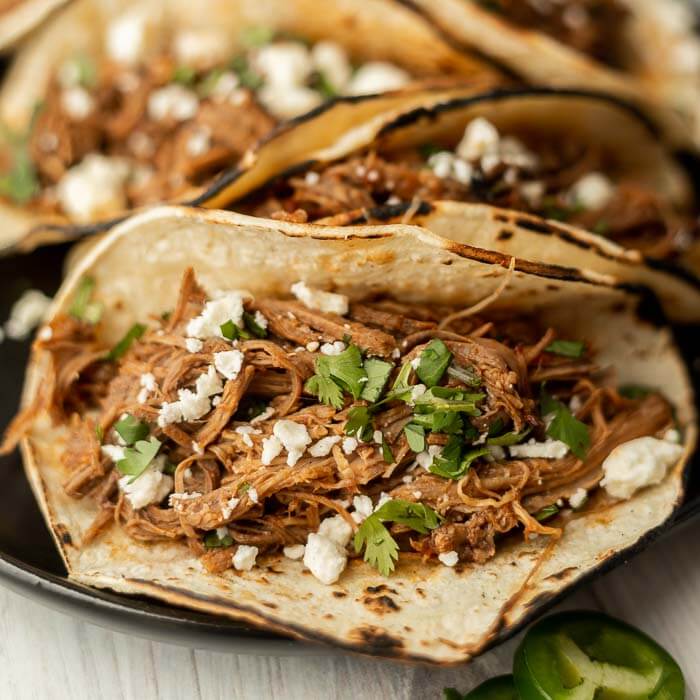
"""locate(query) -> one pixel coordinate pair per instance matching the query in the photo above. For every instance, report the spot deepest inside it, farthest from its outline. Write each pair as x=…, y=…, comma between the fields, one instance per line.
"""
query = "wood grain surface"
x=47, y=655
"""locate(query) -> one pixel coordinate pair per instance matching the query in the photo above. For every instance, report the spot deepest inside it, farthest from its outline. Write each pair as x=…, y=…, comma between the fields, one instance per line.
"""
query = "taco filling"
x=594, y=27
x=556, y=178
x=245, y=426
x=135, y=129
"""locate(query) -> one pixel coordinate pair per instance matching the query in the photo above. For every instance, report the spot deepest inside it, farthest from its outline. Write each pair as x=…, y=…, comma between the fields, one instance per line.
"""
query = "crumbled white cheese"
x=415, y=362
x=221, y=532
x=26, y=314
x=417, y=390
x=229, y=507
x=638, y=463
x=94, y=187
x=578, y=498
x=336, y=529
x=383, y=498
x=77, y=103
x=549, y=449
x=175, y=499
x=174, y=102
x=425, y=458
x=130, y=36
x=260, y=319
x=115, y=452
x=246, y=431
x=313, y=346
x=193, y=345
x=244, y=558
x=497, y=452
x=272, y=446
x=672, y=435
x=323, y=447
x=148, y=386
x=294, y=437
x=334, y=348
x=228, y=363
x=294, y=551
x=199, y=142
x=318, y=299
x=252, y=494
x=192, y=405
x=449, y=558
x=267, y=413
x=200, y=48
x=216, y=312
x=445, y=164
x=45, y=334
x=151, y=486
x=533, y=192
x=377, y=76
x=363, y=508
x=349, y=445
x=330, y=59
x=324, y=559
x=480, y=138
x=284, y=63
x=288, y=101
x=226, y=87
x=592, y=191
x=378, y=437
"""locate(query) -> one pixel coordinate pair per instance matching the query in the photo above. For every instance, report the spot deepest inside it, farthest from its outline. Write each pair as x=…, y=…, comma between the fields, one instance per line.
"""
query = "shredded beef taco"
x=644, y=50
x=370, y=436
x=117, y=105
x=560, y=175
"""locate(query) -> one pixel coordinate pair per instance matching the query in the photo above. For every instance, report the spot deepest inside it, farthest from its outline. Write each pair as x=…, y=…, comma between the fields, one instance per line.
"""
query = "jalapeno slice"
x=499, y=688
x=587, y=655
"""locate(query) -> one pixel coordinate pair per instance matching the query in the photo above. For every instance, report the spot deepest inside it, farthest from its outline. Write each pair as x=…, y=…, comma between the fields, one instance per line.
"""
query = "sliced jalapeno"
x=587, y=656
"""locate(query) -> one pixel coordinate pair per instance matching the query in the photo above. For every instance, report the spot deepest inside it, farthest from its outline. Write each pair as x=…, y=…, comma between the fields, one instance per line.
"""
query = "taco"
x=388, y=441
x=19, y=17
x=643, y=50
x=569, y=175
x=117, y=105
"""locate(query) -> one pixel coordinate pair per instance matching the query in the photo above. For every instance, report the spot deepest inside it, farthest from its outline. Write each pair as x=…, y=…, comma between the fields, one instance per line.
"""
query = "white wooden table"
x=46, y=655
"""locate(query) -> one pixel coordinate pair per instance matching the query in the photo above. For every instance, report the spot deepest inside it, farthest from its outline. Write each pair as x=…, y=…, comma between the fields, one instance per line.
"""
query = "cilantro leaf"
x=131, y=429
x=415, y=435
x=449, y=422
x=378, y=373
x=20, y=182
x=231, y=331
x=138, y=457
x=508, y=439
x=99, y=433
x=82, y=307
x=564, y=426
x=434, y=361
x=547, y=512
x=401, y=389
x=185, y=75
x=321, y=83
x=453, y=462
x=213, y=541
x=381, y=550
x=326, y=390
x=247, y=75
x=387, y=454
x=566, y=348
x=359, y=423
x=121, y=348
x=256, y=36
x=441, y=398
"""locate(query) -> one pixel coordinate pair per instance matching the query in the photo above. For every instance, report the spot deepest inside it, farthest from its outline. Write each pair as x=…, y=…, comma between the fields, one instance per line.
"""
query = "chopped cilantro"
x=415, y=435
x=508, y=439
x=185, y=75
x=564, y=426
x=547, y=512
x=255, y=37
x=441, y=398
x=231, y=331
x=208, y=84
x=244, y=487
x=434, y=360
x=82, y=307
x=213, y=541
x=440, y=421
x=453, y=462
x=381, y=550
x=131, y=429
x=378, y=373
x=322, y=85
x=138, y=457
x=336, y=373
x=99, y=433
x=169, y=468
x=121, y=348
x=247, y=76
x=428, y=149
x=387, y=454
x=401, y=389
x=249, y=408
x=359, y=423
x=20, y=182
x=466, y=375
x=566, y=348
x=253, y=327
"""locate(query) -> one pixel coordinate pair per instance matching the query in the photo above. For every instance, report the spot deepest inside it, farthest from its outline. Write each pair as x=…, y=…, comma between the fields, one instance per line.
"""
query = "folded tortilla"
x=423, y=612
x=648, y=50
x=19, y=17
x=200, y=39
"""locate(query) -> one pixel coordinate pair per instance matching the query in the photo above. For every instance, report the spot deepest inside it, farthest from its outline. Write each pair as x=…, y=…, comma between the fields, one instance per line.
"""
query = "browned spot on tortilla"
x=375, y=639
x=532, y=225
x=63, y=534
x=553, y=287
x=499, y=216
x=563, y=574
x=406, y=628
x=272, y=606
x=328, y=616
x=380, y=604
x=504, y=235
x=420, y=592
x=381, y=588
x=339, y=594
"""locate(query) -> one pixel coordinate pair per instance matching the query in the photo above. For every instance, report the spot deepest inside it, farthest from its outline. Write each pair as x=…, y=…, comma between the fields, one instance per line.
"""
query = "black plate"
x=29, y=562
